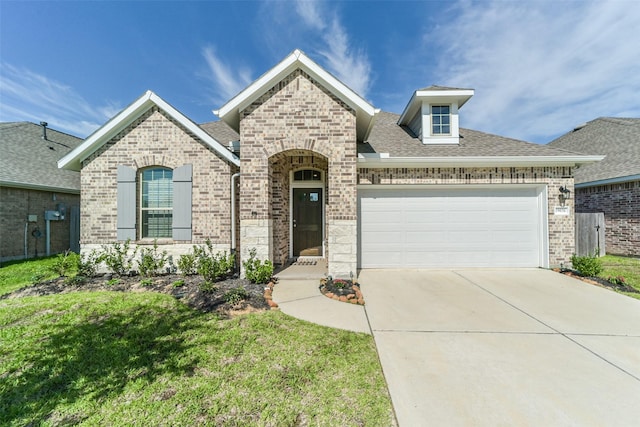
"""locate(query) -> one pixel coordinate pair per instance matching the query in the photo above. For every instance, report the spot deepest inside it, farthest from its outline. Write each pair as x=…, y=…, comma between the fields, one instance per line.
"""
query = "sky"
x=538, y=68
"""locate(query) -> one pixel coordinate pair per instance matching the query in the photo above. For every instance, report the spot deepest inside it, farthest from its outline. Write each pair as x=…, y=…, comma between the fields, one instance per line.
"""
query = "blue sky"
x=539, y=68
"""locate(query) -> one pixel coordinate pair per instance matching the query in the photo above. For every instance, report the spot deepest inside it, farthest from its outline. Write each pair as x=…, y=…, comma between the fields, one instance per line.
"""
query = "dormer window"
x=432, y=114
x=440, y=120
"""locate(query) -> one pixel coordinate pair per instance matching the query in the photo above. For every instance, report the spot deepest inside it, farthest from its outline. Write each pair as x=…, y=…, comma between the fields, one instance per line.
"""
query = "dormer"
x=432, y=114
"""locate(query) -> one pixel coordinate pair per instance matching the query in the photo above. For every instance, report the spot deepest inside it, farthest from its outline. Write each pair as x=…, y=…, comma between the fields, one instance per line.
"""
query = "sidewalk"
x=302, y=299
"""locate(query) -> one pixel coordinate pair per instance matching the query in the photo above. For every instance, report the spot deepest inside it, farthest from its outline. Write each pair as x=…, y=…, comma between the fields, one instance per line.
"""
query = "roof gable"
x=123, y=119
x=365, y=112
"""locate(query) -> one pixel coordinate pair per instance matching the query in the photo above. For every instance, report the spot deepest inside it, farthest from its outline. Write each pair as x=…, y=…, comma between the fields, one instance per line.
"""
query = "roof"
x=221, y=131
x=29, y=161
x=365, y=112
x=398, y=144
x=105, y=133
x=617, y=138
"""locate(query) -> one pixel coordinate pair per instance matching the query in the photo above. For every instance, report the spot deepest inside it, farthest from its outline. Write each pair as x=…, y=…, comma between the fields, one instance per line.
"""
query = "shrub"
x=146, y=282
x=213, y=267
x=87, y=263
x=236, y=296
x=76, y=280
x=619, y=280
x=151, y=263
x=587, y=265
x=178, y=283
x=207, y=287
x=187, y=264
x=257, y=271
x=64, y=263
x=117, y=257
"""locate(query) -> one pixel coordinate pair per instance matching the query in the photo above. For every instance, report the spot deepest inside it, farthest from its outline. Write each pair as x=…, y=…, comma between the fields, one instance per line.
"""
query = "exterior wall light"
x=565, y=194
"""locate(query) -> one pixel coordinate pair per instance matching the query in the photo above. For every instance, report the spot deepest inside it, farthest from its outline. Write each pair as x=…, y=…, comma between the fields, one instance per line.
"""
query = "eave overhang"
x=73, y=160
x=26, y=186
x=383, y=160
x=459, y=96
x=365, y=112
x=617, y=180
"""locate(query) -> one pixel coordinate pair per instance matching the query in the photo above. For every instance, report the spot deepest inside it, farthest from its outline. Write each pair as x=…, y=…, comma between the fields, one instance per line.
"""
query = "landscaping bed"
x=599, y=281
x=342, y=290
x=227, y=297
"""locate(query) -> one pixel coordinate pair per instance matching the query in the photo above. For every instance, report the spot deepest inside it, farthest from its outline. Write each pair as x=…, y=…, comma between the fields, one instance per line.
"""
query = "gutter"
x=617, y=180
x=383, y=160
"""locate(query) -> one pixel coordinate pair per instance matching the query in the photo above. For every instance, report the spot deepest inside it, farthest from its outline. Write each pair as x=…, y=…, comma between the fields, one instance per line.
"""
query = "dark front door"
x=307, y=222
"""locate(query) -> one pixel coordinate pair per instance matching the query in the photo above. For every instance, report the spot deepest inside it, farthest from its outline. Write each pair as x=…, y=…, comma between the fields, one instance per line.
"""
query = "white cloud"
x=226, y=82
x=540, y=68
x=28, y=96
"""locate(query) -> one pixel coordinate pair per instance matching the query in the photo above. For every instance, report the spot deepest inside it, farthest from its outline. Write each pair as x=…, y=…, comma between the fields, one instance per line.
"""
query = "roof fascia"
x=382, y=161
x=617, y=180
x=74, y=159
x=38, y=187
x=460, y=95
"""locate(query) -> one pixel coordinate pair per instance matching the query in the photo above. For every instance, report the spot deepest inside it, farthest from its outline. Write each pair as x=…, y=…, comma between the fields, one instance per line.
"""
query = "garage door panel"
x=450, y=228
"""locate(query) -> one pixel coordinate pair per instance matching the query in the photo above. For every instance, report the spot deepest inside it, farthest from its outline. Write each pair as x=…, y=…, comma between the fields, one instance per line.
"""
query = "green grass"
x=629, y=268
x=18, y=274
x=110, y=358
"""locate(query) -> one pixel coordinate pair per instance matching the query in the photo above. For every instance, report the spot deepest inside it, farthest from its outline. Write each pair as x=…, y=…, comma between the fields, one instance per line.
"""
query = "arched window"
x=156, y=203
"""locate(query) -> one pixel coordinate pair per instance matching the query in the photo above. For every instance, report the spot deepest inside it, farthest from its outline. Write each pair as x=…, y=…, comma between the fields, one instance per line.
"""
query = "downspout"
x=233, y=212
x=26, y=228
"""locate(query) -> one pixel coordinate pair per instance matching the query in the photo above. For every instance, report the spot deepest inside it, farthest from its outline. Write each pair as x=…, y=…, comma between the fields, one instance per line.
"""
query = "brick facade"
x=297, y=118
x=154, y=139
x=620, y=204
x=17, y=204
x=561, y=228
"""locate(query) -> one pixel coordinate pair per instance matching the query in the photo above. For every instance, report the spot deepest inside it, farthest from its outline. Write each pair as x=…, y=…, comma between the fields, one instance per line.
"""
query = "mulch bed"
x=342, y=290
x=598, y=281
x=190, y=293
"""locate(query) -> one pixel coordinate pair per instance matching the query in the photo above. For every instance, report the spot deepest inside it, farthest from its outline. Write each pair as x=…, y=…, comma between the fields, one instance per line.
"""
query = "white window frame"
x=141, y=209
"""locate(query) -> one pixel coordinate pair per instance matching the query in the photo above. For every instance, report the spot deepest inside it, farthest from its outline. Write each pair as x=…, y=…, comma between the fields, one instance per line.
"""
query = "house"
x=39, y=203
x=611, y=186
x=320, y=172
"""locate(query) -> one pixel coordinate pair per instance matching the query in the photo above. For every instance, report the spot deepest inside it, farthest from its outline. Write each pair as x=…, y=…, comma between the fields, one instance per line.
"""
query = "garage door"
x=488, y=227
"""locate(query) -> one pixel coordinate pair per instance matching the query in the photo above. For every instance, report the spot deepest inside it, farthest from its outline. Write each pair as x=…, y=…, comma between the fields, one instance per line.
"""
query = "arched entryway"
x=299, y=200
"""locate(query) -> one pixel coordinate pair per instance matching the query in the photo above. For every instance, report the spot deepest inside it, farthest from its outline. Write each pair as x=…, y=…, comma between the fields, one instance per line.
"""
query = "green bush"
x=236, y=296
x=187, y=264
x=213, y=266
x=257, y=271
x=87, y=263
x=151, y=263
x=64, y=263
x=589, y=266
x=117, y=257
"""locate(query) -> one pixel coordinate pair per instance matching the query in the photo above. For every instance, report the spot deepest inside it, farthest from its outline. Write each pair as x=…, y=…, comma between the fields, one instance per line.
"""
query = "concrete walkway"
x=301, y=298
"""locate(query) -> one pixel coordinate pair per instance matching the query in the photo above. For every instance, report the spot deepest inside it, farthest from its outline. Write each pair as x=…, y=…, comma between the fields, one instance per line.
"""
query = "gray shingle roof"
x=26, y=160
x=617, y=138
x=388, y=137
x=221, y=131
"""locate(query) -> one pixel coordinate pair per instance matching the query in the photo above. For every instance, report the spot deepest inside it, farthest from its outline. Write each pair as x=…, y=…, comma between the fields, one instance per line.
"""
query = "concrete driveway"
x=504, y=347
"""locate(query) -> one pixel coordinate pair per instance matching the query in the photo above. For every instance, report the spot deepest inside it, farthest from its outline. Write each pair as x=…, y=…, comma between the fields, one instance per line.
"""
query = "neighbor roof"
x=617, y=138
x=392, y=143
x=123, y=119
x=365, y=112
x=29, y=161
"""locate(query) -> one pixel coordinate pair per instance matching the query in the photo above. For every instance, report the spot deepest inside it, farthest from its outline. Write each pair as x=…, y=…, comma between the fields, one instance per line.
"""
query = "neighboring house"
x=31, y=185
x=611, y=186
x=323, y=173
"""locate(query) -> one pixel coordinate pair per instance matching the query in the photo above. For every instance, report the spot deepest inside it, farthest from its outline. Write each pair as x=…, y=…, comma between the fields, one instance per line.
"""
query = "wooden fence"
x=590, y=234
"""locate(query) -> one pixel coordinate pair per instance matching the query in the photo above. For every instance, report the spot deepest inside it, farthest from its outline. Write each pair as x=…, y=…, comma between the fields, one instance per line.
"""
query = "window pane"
x=156, y=223
x=446, y=129
x=444, y=109
x=445, y=120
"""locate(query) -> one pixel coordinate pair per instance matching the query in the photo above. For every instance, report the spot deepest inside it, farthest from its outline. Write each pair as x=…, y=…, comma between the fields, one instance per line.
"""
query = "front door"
x=307, y=222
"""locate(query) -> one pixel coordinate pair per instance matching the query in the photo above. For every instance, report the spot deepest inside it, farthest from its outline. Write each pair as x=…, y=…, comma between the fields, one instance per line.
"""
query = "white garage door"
x=488, y=227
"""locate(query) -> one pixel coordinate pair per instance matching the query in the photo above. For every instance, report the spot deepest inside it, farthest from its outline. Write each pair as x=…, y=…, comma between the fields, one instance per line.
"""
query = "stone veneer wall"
x=297, y=114
x=155, y=139
x=17, y=204
x=621, y=206
x=561, y=228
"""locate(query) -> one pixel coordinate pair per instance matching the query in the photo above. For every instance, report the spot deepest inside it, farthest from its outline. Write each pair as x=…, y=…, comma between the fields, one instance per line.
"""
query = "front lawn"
x=118, y=358
x=17, y=274
x=629, y=268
